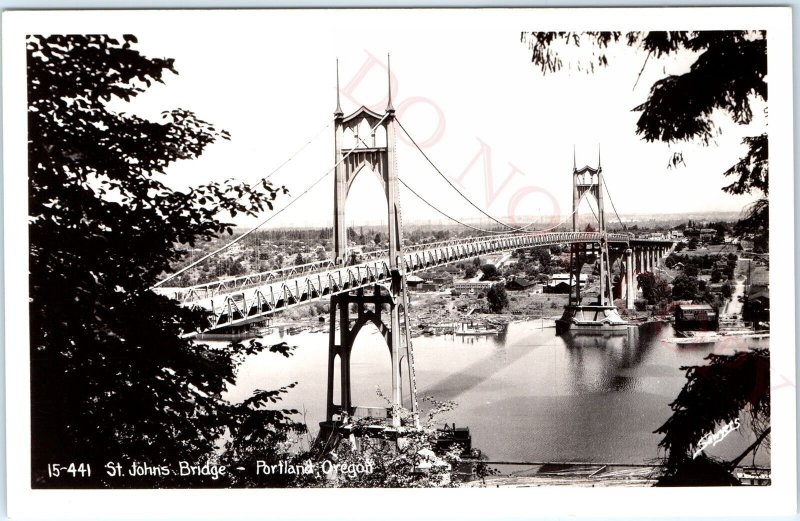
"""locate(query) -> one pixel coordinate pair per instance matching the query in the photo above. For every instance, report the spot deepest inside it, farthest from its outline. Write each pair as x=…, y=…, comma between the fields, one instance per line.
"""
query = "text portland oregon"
x=362, y=311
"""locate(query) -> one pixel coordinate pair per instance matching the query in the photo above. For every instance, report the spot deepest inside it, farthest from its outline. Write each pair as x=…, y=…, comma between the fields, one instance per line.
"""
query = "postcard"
x=482, y=262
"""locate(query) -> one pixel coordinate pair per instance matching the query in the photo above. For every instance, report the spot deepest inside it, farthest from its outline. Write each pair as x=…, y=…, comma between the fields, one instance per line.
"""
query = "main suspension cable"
x=445, y=214
x=512, y=228
x=483, y=229
x=612, y=203
x=266, y=178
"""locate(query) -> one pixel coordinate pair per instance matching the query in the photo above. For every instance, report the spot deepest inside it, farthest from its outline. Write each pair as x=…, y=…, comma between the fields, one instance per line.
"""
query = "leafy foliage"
x=716, y=394
x=685, y=287
x=756, y=224
x=497, y=298
x=112, y=377
x=654, y=289
x=406, y=461
x=490, y=272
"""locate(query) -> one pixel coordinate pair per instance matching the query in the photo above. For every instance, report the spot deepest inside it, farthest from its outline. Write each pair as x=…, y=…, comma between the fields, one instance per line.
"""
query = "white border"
x=778, y=499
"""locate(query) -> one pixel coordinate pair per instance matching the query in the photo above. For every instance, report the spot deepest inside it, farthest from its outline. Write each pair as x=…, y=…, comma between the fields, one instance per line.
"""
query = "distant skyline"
x=489, y=119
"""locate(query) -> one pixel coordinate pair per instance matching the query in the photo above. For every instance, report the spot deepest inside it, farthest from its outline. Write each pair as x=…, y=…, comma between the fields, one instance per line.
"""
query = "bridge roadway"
x=250, y=298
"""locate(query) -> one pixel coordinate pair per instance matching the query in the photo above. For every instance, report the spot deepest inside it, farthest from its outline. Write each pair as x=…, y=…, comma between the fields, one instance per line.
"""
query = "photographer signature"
x=712, y=438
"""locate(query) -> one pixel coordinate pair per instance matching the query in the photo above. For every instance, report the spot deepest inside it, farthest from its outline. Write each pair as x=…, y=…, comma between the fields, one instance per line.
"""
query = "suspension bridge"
x=362, y=290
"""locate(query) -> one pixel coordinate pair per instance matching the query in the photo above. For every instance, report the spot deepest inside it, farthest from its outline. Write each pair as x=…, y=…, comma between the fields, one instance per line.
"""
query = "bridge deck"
x=249, y=298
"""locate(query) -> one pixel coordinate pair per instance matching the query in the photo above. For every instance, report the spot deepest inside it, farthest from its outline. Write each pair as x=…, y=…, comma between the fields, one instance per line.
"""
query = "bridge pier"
x=369, y=308
x=630, y=280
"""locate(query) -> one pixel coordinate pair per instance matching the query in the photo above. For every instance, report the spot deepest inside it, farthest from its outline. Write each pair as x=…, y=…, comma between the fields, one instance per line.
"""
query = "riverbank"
x=441, y=312
x=598, y=475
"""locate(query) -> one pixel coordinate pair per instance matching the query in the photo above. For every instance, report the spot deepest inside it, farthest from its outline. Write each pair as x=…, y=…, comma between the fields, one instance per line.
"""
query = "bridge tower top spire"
x=574, y=162
x=338, y=113
x=599, y=168
x=389, y=107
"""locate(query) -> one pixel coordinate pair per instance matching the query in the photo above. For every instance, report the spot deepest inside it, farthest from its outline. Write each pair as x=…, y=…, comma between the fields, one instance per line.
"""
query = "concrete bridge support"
x=368, y=309
x=630, y=280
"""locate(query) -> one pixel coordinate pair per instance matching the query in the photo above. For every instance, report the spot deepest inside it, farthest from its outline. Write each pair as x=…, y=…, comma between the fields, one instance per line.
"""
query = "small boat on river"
x=476, y=330
x=712, y=337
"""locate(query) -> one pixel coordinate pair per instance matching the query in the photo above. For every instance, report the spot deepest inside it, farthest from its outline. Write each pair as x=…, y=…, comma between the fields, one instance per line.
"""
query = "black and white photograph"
x=522, y=254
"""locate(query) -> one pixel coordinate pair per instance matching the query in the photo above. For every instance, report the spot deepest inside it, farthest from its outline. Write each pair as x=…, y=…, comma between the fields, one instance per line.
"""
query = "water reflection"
x=600, y=362
x=525, y=393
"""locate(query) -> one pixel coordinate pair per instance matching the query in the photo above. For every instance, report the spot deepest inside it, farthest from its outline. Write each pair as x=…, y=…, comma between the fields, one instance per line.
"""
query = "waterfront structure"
x=696, y=317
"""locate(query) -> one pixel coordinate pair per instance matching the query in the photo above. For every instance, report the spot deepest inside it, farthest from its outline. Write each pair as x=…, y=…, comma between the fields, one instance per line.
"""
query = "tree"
x=690, y=269
x=112, y=376
x=684, y=287
x=490, y=272
x=728, y=74
x=654, y=289
x=470, y=271
x=298, y=260
x=497, y=298
x=716, y=276
x=715, y=394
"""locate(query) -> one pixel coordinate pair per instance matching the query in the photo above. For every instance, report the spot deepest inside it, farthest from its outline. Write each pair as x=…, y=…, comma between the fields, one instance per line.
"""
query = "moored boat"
x=470, y=329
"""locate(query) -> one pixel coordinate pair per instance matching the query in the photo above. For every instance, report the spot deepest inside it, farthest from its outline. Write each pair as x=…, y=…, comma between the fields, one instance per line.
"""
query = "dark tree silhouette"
x=497, y=298
x=715, y=394
x=490, y=272
x=112, y=378
x=654, y=289
x=685, y=287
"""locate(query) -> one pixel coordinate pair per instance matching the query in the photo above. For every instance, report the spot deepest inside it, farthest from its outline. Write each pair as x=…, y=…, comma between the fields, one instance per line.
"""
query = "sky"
x=499, y=128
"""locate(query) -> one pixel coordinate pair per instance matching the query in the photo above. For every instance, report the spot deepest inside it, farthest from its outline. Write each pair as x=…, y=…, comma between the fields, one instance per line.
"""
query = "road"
x=734, y=306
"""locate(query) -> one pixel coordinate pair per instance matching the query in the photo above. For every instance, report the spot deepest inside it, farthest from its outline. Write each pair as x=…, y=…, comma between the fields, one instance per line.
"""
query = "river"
x=526, y=395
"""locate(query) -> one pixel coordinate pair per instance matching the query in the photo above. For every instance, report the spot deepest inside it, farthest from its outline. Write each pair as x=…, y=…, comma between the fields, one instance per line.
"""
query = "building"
x=441, y=278
x=560, y=283
x=414, y=282
x=756, y=308
x=696, y=317
x=519, y=284
x=452, y=269
x=706, y=234
x=474, y=286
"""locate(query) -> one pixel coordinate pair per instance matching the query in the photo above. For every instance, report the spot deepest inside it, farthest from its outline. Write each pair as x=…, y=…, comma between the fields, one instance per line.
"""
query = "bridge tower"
x=357, y=308
x=588, y=180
